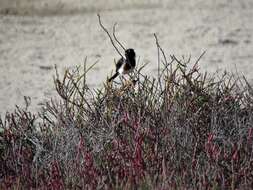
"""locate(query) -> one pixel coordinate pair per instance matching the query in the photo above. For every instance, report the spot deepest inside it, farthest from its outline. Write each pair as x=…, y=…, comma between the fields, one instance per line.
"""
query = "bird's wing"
x=119, y=63
x=128, y=65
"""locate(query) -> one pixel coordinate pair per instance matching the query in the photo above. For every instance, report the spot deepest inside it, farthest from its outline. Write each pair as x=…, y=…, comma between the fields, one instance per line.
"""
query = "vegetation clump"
x=181, y=130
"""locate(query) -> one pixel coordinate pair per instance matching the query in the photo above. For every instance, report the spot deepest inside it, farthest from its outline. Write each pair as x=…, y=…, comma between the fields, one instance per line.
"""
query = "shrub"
x=181, y=130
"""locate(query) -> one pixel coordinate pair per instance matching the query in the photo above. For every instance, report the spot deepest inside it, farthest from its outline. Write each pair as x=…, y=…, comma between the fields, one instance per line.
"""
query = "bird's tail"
x=113, y=77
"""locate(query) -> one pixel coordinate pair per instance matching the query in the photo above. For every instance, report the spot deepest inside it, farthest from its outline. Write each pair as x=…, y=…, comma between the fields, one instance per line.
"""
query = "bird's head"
x=129, y=53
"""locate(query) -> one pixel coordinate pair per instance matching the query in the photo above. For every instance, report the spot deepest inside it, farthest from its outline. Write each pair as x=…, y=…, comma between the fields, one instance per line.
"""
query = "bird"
x=125, y=65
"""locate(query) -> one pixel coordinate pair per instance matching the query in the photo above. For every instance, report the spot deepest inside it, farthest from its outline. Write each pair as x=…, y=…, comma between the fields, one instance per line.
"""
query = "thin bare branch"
x=158, y=60
x=115, y=37
x=200, y=57
x=108, y=34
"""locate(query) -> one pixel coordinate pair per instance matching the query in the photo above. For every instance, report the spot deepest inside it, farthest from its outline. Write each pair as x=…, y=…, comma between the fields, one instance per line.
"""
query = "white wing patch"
x=121, y=71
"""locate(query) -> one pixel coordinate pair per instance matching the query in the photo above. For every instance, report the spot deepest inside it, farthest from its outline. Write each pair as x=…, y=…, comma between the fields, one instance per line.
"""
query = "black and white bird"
x=125, y=65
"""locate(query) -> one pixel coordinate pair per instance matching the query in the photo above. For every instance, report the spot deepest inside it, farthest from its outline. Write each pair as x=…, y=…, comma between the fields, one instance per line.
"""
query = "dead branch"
x=158, y=45
x=116, y=39
x=108, y=34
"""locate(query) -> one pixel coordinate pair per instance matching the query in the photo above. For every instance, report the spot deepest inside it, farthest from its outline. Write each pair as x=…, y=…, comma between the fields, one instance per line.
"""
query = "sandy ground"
x=36, y=35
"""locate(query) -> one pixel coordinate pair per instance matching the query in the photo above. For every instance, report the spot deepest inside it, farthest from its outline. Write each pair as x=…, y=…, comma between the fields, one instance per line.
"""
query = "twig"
x=116, y=39
x=164, y=56
x=106, y=31
x=87, y=70
x=158, y=60
x=158, y=57
x=84, y=77
x=200, y=57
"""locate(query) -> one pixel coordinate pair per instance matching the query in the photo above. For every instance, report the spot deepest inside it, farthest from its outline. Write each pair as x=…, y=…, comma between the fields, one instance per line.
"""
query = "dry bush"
x=180, y=130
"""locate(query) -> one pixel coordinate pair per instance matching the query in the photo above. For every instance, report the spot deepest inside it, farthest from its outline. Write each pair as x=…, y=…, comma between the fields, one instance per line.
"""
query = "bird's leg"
x=124, y=80
x=130, y=81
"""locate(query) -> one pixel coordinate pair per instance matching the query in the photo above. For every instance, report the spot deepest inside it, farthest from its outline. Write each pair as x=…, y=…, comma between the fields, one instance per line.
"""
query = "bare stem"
x=116, y=39
x=108, y=34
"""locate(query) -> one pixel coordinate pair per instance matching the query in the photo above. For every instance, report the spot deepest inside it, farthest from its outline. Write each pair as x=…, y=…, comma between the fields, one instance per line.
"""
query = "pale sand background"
x=37, y=34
